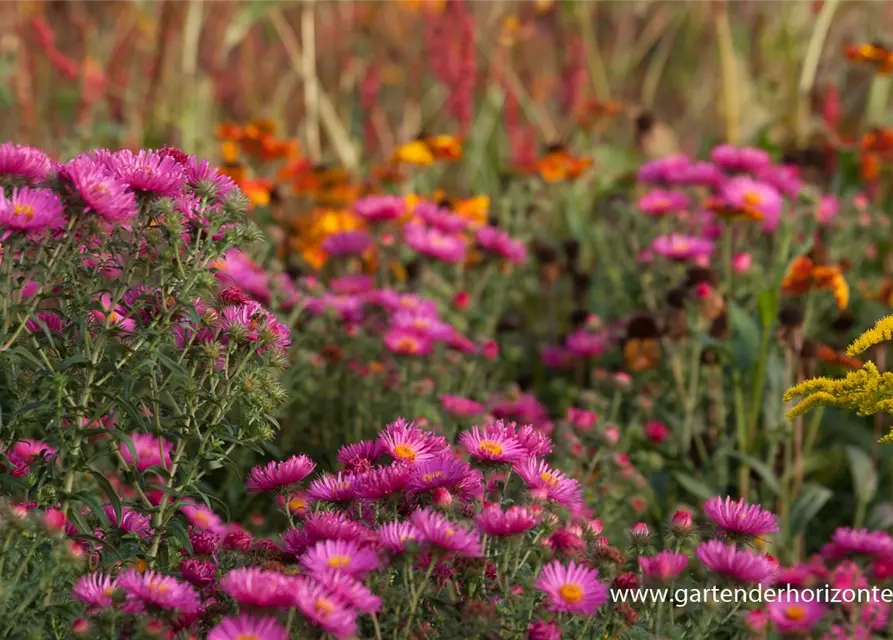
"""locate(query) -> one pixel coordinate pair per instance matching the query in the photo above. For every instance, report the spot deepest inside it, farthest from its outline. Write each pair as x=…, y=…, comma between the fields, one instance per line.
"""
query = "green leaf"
x=107, y=489
x=745, y=335
x=881, y=517
x=694, y=486
x=762, y=469
x=176, y=529
x=807, y=505
x=91, y=501
x=767, y=304
x=864, y=474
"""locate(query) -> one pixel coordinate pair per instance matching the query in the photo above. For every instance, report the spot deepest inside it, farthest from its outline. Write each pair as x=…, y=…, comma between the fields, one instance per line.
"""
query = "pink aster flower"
x=198, y=572
x=661, y=202
x=785, y=178
x=436, y=531
x=791, y=614
x=352, y=284
x=149, y=171
x=850, y=542
x=203, y=517
x=380, y=208
x=440, y=218
x=324, y=609
x=423, y=324
x=582, y=419
x=258, y=588
x=393, y=536
x=22, y=161
x=406, y=342
x=132, y=521
x=664, y=170
x=238, y=270
x=757, y=200
x=382, y=482
x=826, y=210
x=343, y=555
x=157, y=590
x=147, y=451
x=542, y=630
x=498, y=242
x=350, y=590
x=740, y=518
x=248, y=627
x=333, y=488
x=572, y=589
x=28, y=449
x=101, y=192
x=347, y=243
x=360, y=456
x=45, y=321
x=493, y=521
x=681, y=247
x=584, y=343
x=396, y=301
x=407, y=443
x=665, y=566
x=335, y=526
x=436, y=473
x=31, y=210
x=736, y=564
x=460, y=406
x=434, y=243
x=274, y=475
x=491, y=444
x=740, y=158
x=201, y=171
x=546, y=483
x=534, y=440
x=96, y=590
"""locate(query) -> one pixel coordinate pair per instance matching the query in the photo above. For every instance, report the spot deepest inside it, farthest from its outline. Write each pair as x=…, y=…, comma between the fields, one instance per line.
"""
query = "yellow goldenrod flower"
x=880, y=332
x=415, y=152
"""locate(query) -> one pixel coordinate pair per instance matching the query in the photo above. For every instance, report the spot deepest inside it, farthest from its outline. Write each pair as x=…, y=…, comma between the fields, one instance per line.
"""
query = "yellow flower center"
x=752, y=199
x=795, y=612
x=323, y=606
x=108, y=591
x=248, y=636
x=491, y=447
x=158, y=587
x=406, y=345
x=430, y=477
x=297, y=504
x=342, y=486
x=450, y=532
x=405, y=452
x=571, y=593
x=338, y=562
x=25, y=210
x=202, y=518
x=548, y=478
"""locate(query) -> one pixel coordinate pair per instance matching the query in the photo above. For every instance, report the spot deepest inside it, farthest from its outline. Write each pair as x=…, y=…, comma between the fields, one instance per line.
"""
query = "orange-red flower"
x=425, y=151
x=641, y=354
x=830, y=356
x=559, y=165
x=596, y=112
x=804, y=274
x=871, y=53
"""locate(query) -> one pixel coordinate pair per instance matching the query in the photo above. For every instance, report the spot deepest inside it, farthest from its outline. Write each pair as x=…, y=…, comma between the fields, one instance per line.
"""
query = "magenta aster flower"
x=740, y=158
x=343, y=555
x=423, y=324
x=248, y=627
x=534, y=441
x=665, y=566
x=408, y=342
x=352, y=284
x=546, y=483
x=22, y=161
x=756, y=200
x=96, y=590
x=407, y=443
x=147, y=451
x=438, y=472
x=132, y=521
x=850, y=542
x=202, y=171
x=664, y=170
x=382, y=482
x=53, y=323
x=542, y=630
x=791, y=614
x=153, y=589
x=436, y=531
x=274, y=475
x=783, y=177
x=572, y=589
x=347, y=243
x=434, y=243
x=396, y=301
x=102, y=193
x=737, y=564
x=202, y=517
x=439, y=218
x=350, y=590
x=681, y=247
x=333, y=488
x=237, y=269
x=462, y=407
x=739, y=518
x=336, y=526
x=498, y=242
x=380, y=208
x=393, y=536
x=258, y=588
x=660, y=202
x=498, y=523
x=28, y=449
x=705, y=174
x=584, y=343
x=31, y=210
x=198, y=572
x=827, y=209
x=149, y=171
x=324, y=609
x=360, y=456
x=492, y=444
